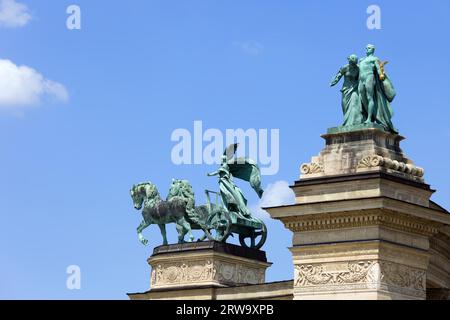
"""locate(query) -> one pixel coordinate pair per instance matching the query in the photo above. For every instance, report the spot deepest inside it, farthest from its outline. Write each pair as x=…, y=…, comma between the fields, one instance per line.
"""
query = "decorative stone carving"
x=371, y=161
x=210, y=270
x=352, y=220
x=228, y=272
x=361, y=274
x=313, y=275
x=195, y=272
x=310, y=168
x=250, y=275
x=402, y=276
x=184, y=272
x=379, y=161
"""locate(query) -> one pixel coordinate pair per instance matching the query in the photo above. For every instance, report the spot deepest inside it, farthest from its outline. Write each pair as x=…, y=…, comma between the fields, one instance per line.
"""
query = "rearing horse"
x=157, y=211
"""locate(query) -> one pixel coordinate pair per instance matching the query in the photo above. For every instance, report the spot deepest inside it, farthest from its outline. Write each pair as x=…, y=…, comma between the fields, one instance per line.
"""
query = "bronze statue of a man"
x=375, y=90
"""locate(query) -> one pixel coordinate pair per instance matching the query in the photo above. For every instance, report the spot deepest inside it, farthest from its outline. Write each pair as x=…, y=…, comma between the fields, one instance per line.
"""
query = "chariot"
x=224, y=222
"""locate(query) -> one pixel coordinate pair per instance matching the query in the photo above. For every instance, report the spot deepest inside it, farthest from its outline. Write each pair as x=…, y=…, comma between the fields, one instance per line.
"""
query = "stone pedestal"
x=364, y=224
x=369, y=150
x=204, y=265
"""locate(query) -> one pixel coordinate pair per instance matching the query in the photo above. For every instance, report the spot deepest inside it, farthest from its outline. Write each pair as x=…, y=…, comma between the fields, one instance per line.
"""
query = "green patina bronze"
x=218, y=219
x=351, y=102
x=366, y=94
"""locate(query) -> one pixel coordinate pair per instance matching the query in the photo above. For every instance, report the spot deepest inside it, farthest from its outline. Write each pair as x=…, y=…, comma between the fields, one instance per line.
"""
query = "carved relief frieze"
x=194, y=272
x=313, y=275
x=402, y=276
x=360, y=274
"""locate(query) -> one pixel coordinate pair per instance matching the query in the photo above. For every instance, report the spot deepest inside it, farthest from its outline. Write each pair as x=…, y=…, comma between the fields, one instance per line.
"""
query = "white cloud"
x=13, y=14
x=276, y=194
x=22, y=86
x=253, y=48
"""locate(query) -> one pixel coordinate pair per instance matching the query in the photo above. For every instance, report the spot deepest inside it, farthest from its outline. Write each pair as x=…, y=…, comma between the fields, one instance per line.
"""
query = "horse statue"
x=179, y=208
x=199, y=217
x=157, y=211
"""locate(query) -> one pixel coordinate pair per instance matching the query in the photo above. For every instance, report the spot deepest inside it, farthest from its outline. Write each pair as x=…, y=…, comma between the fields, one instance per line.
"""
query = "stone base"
x=358, y=127
x=206, y=264
x=366, y=150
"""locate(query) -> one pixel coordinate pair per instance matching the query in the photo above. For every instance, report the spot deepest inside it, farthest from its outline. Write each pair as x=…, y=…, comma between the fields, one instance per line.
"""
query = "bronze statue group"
x=367, y=92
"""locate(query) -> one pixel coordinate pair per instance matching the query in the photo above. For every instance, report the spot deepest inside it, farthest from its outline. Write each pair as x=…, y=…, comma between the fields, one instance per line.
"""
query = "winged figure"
x=241, y=168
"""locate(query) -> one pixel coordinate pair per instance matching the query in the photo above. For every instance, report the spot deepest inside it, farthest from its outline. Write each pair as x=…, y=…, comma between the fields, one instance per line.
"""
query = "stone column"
x=362, y=221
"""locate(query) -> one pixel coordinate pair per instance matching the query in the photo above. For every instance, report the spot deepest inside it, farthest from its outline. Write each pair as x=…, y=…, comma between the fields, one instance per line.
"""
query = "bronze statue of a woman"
x=246, y=169
x=232, y=197
x=351, y=102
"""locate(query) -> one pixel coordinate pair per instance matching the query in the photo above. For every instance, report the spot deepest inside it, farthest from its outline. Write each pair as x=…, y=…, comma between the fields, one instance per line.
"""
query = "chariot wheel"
x=218, y=226
x=255, y=243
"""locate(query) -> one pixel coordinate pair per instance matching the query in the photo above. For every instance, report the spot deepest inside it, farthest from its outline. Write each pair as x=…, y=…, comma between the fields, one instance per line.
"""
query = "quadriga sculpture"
x=367, y=93
x=227, y=215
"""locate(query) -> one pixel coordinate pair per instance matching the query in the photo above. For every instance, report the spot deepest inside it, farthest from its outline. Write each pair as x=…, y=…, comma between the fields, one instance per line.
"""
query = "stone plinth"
x=206, y=264
x=366, y=150
x=364, y=225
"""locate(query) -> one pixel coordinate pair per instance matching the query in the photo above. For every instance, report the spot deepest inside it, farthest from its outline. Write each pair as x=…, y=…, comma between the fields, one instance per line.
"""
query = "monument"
x=364, y=226
x=197, y=268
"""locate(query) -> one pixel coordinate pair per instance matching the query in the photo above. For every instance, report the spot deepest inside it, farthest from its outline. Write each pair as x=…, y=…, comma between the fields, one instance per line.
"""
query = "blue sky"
x=138, y=70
